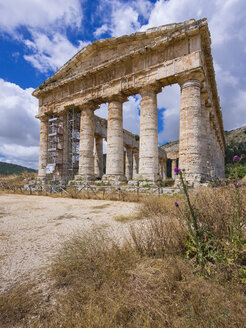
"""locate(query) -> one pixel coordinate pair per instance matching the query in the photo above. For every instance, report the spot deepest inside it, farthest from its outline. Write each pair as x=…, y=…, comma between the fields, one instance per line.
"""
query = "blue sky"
x=38, y=36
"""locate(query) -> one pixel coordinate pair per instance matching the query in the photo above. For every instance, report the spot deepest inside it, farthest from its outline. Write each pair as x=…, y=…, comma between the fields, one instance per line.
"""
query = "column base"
x=84, y=178
x=114, y=179
x=148, y=177
x=193, y=180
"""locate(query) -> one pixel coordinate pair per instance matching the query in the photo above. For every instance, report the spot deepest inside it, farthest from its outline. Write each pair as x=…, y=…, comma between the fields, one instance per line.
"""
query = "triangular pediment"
x=104, y=52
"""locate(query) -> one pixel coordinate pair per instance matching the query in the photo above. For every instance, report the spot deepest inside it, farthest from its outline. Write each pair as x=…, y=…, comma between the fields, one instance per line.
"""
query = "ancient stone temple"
x=109, y=71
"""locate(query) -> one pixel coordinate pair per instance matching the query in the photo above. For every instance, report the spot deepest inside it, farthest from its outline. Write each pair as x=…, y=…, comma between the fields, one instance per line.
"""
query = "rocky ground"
x=33, y=227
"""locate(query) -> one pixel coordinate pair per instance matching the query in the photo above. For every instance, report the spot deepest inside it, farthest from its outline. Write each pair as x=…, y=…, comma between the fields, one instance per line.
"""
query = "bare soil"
x=33, y=227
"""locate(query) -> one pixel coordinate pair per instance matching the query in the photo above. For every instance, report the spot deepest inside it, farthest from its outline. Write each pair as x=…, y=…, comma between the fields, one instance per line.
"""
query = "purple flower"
x=236, y=158
x=243, y=156
x=176, y=170
x=176, y=204
x=237, y=185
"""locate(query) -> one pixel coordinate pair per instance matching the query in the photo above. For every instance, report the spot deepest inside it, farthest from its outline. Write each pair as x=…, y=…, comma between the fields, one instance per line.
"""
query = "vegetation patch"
x=128, y=218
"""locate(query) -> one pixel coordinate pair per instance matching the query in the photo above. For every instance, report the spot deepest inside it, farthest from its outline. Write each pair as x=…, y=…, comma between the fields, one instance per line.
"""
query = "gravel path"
x=33, y=227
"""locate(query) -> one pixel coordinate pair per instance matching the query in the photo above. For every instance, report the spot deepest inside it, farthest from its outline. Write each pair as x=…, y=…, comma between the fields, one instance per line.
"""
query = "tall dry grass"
x=145, y=282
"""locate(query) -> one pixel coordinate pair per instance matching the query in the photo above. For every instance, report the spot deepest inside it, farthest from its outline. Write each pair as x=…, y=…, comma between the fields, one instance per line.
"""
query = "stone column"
x=164, y=169
x=173, y=166
x=86, y=144
x=135, y=164
x=128, y=163
x=212, y=148
x=98, y=158
x=43, y=148
x=115, y=149
x=192, y=134
x=148, y=146
x=160, y=168
x=65, y=154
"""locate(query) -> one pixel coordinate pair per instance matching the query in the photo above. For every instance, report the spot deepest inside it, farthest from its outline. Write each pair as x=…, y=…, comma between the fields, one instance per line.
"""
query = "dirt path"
x=33, y=227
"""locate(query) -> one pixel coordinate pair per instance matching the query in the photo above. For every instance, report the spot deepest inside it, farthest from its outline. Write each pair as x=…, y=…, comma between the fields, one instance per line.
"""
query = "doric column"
x=192, y=132
x=43, y=148
x=115, y=149
x=212, y=138
x=164, y=169
x=128, y=163
x=98, y=158
x=173, y=166
x=148, y=147
x=86, y=144
x=160, y=168
x=65, y=152
x=135, y=164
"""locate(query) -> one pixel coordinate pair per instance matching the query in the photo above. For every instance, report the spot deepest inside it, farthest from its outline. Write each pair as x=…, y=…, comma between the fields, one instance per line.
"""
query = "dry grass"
x=19, y=304
x=146, y=282
x=125, y=218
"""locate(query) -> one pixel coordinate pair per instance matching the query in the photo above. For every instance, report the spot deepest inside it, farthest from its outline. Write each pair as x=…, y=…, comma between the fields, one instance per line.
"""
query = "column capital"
x=190, y=83
x=89, y=105
x=42, y=118
x=191, y=76
x=154, y=88
x=120, y=97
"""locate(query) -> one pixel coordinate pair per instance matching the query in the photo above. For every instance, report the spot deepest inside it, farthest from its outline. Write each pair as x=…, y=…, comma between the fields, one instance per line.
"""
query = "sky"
x=39, y=36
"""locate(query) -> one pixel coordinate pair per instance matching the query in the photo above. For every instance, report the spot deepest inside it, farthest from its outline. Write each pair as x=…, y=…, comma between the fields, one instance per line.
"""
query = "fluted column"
x=43, y=148
x=86, y=144
x=192, y=131
x=115, y=149
x=98, y=158
x=135, y=164
x=128, y=163
x=148, y=147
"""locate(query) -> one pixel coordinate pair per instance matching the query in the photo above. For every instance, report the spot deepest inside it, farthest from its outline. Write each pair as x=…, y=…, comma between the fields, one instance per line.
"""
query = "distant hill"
x=8, y=169
x=235, y=144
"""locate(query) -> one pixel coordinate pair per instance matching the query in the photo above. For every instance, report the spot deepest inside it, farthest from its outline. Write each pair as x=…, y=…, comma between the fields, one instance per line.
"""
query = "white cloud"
x=46, y=21
x=122, y=17
x=49, y=53
x=101, y=30
x=39, y=14
x=19, y=130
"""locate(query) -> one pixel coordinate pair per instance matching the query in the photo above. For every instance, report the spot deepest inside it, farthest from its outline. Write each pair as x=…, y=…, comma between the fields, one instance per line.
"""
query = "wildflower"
x=243, y=156
x=176, y=204
x=236, y=158
x=176, y=170
x=230, y=168
x=237, y=185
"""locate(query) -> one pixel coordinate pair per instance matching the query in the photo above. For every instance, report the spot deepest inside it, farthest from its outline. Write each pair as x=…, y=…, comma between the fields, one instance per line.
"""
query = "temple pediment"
x=106, y=54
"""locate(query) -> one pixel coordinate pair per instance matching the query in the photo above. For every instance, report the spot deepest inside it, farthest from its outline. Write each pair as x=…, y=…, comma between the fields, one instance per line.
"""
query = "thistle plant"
x=201, y=243
x=195, y=241
x=237, y=239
